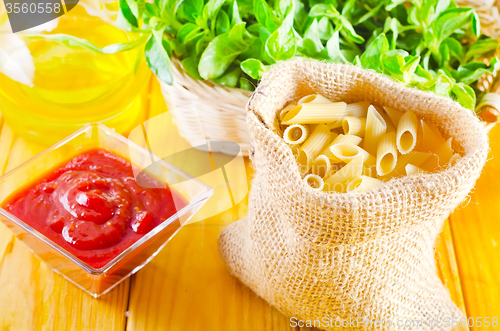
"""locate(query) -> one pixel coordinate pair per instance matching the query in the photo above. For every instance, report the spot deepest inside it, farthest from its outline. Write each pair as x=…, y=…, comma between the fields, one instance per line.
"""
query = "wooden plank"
x=448, y=270
x=187, y=286
x=32, y=297
x=476, y=236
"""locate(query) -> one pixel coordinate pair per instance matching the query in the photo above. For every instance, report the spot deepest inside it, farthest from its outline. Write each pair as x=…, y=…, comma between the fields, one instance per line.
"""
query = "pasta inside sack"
x=356, y=147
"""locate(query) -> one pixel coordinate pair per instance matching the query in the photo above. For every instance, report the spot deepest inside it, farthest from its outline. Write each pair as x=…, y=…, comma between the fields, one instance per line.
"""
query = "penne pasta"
x=375, y=128
x=354, y=126
x=313, y=98
x=406, y=137
x=348, y=139
x=319, y=138
x=286, y=110
x=357, y=109
x=321, y=166
x=431, y=137
x=315, y=113
x=314, y=181
x=295, y=134
x=335, y=125
x=338, y=181
x=414, y=157
x=369, y=170
x=410, y=169
x=388, y=122
x=387, y=154
x=354, y=147
x=441, y=157
x=348, y=152
x=363, y=183
x=394, y=115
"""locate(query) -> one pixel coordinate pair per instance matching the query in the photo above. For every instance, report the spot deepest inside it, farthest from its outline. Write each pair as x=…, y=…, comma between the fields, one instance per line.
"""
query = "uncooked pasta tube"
x=295, y=134
x=387, y=154
x=314, y=181
x=319, y=138
x=406, y=137
x=375, y=128
x=310, y=113
x=354, y=126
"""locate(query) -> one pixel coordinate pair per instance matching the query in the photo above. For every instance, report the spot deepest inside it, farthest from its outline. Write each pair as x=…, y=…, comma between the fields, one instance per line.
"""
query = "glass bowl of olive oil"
x=73, y=86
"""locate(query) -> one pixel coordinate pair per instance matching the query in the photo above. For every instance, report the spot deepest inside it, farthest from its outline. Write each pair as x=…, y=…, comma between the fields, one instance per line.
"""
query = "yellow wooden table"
x=187, y=287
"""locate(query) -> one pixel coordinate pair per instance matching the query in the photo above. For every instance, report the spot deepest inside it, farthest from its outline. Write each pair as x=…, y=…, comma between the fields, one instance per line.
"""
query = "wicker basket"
x=220, y=111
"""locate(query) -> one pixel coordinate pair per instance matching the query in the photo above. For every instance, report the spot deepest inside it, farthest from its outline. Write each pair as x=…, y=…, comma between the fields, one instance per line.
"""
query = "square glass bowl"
x=99, y=281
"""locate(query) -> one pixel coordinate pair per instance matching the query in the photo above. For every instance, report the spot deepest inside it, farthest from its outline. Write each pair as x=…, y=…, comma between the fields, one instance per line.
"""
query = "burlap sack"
x=333, y=257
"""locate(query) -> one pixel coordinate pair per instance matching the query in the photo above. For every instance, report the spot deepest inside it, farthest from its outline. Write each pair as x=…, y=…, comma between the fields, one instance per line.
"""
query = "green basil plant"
x=432, y=45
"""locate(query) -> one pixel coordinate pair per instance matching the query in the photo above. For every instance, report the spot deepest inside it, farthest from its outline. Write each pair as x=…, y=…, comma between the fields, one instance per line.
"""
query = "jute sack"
x=333, y=257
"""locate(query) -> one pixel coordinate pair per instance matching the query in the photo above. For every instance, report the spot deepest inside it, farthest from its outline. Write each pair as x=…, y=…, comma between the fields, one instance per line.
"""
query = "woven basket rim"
x=178, y=65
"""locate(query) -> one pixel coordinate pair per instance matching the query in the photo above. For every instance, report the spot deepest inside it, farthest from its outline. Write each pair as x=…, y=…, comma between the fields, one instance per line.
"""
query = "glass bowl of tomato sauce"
x=96, y=207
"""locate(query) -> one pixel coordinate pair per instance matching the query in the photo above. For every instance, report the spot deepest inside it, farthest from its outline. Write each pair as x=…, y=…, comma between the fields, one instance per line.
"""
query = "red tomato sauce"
x=93, y=207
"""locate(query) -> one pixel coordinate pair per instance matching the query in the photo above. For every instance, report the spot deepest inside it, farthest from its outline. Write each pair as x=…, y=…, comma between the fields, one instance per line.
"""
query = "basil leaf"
x=455, y=48
x=347, y=26
x=312, y=3
x=158, y=60
x=212, y=8
x=333, y=48
x=392, y=24
x=370, y=59
x=371, y=13
x=312, y=34
x=325, y=29
x=253, y=68
x=127, y=13
x=481, y=47
x=190, y=65
x=393, y=4
x=471, y=72
x=230, y=78
x=150, y=11
x=464, y=95
x=254, y=51
x=281, y=44
x=300, y=16
x=219, y=55
x=409, y=68
x=222, y=25
x=283, y=7
x=238, y=33
x=236, y=19
x=476, y=24
x=443, y=55
x=246, y=84
x=321, y=10
x=190, y=10
x=187, y=32
x=261, y=12
x=393, y=61
x=451, y=20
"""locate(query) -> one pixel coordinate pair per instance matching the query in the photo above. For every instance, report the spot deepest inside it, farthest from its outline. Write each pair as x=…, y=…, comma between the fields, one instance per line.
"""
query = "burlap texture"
x=316, y=255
